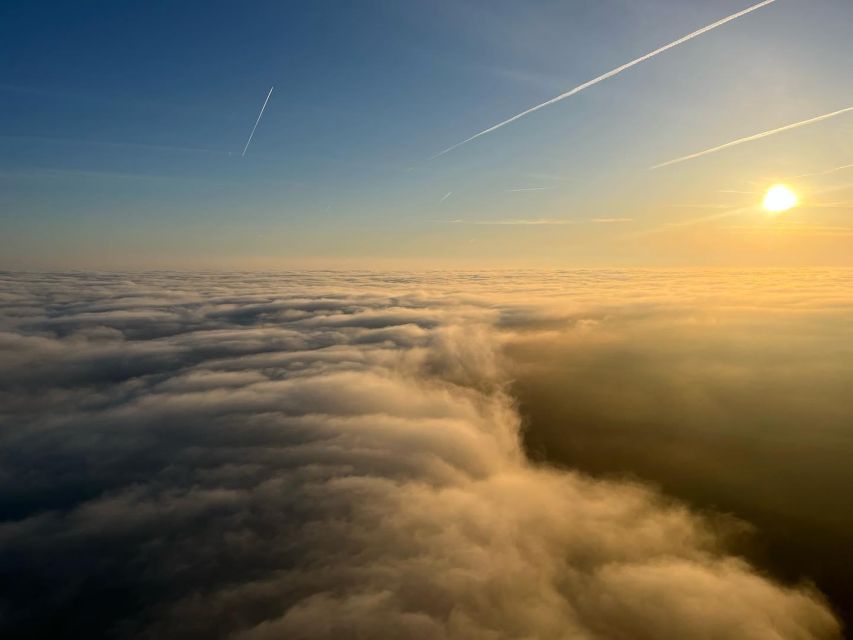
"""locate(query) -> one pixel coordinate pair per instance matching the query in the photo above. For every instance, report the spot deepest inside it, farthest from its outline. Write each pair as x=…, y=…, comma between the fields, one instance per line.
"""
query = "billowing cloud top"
x=323, y=457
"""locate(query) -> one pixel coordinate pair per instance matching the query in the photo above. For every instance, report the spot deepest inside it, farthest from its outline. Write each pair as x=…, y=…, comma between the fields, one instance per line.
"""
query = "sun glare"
x=779, y=198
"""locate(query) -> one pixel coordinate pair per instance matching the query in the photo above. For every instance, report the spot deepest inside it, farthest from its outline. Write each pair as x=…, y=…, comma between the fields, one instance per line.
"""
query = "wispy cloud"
x=804, y=229
x=610, y=220
x=698, y=206
x=829, y=205
x=715, y=216
x=609, y=74
x=40, y=173
x=547, y=176
x=257, y=122
x=757, y=136
x=115, y=144
x=694, y=221
x=516, y=221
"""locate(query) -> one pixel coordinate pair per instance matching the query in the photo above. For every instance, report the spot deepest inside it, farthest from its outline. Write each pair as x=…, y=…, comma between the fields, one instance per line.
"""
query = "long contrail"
x=260, y=115
x=609, y=74
x=757, y=136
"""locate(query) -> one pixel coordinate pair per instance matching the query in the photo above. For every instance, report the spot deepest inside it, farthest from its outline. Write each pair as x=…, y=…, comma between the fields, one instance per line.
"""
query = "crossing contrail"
x=260, y=115
x=610, y=74
x=757, y=136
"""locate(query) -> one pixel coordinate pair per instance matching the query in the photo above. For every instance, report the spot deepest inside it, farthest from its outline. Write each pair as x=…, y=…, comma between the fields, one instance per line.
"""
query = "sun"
x=779, y=198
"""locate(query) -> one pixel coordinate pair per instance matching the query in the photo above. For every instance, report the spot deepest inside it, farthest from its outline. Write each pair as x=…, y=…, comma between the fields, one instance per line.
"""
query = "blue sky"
x=121, y=126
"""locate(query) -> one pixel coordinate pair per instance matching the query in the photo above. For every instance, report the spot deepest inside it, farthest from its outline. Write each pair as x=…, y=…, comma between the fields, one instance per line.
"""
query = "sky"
x=122, y=126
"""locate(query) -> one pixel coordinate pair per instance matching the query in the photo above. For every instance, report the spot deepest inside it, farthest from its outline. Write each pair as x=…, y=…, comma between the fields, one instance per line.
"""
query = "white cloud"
x=327, y=456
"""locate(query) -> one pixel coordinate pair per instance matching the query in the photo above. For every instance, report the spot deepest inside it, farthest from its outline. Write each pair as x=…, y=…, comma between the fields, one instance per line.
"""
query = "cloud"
x=326, y=456
x=797, y=228
x=517, y=221
x=104, y=143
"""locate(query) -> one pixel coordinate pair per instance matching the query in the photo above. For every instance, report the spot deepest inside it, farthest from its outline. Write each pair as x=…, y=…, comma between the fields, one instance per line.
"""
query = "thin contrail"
x=445, y=197
x=757, y=136
x=746, y=209
x=260, y=115
x=609, y=74
x=824, y=173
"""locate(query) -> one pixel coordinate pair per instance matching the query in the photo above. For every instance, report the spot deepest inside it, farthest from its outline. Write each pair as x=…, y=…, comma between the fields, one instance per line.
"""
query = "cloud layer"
x=318, y=456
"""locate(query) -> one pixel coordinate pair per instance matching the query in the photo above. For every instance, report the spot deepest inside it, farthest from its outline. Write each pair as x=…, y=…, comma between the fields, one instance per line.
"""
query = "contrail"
x=445, y=197
x=609, y=74
x=824, y=173
x=757, y=136
x=747, y=209
x=260, y=115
